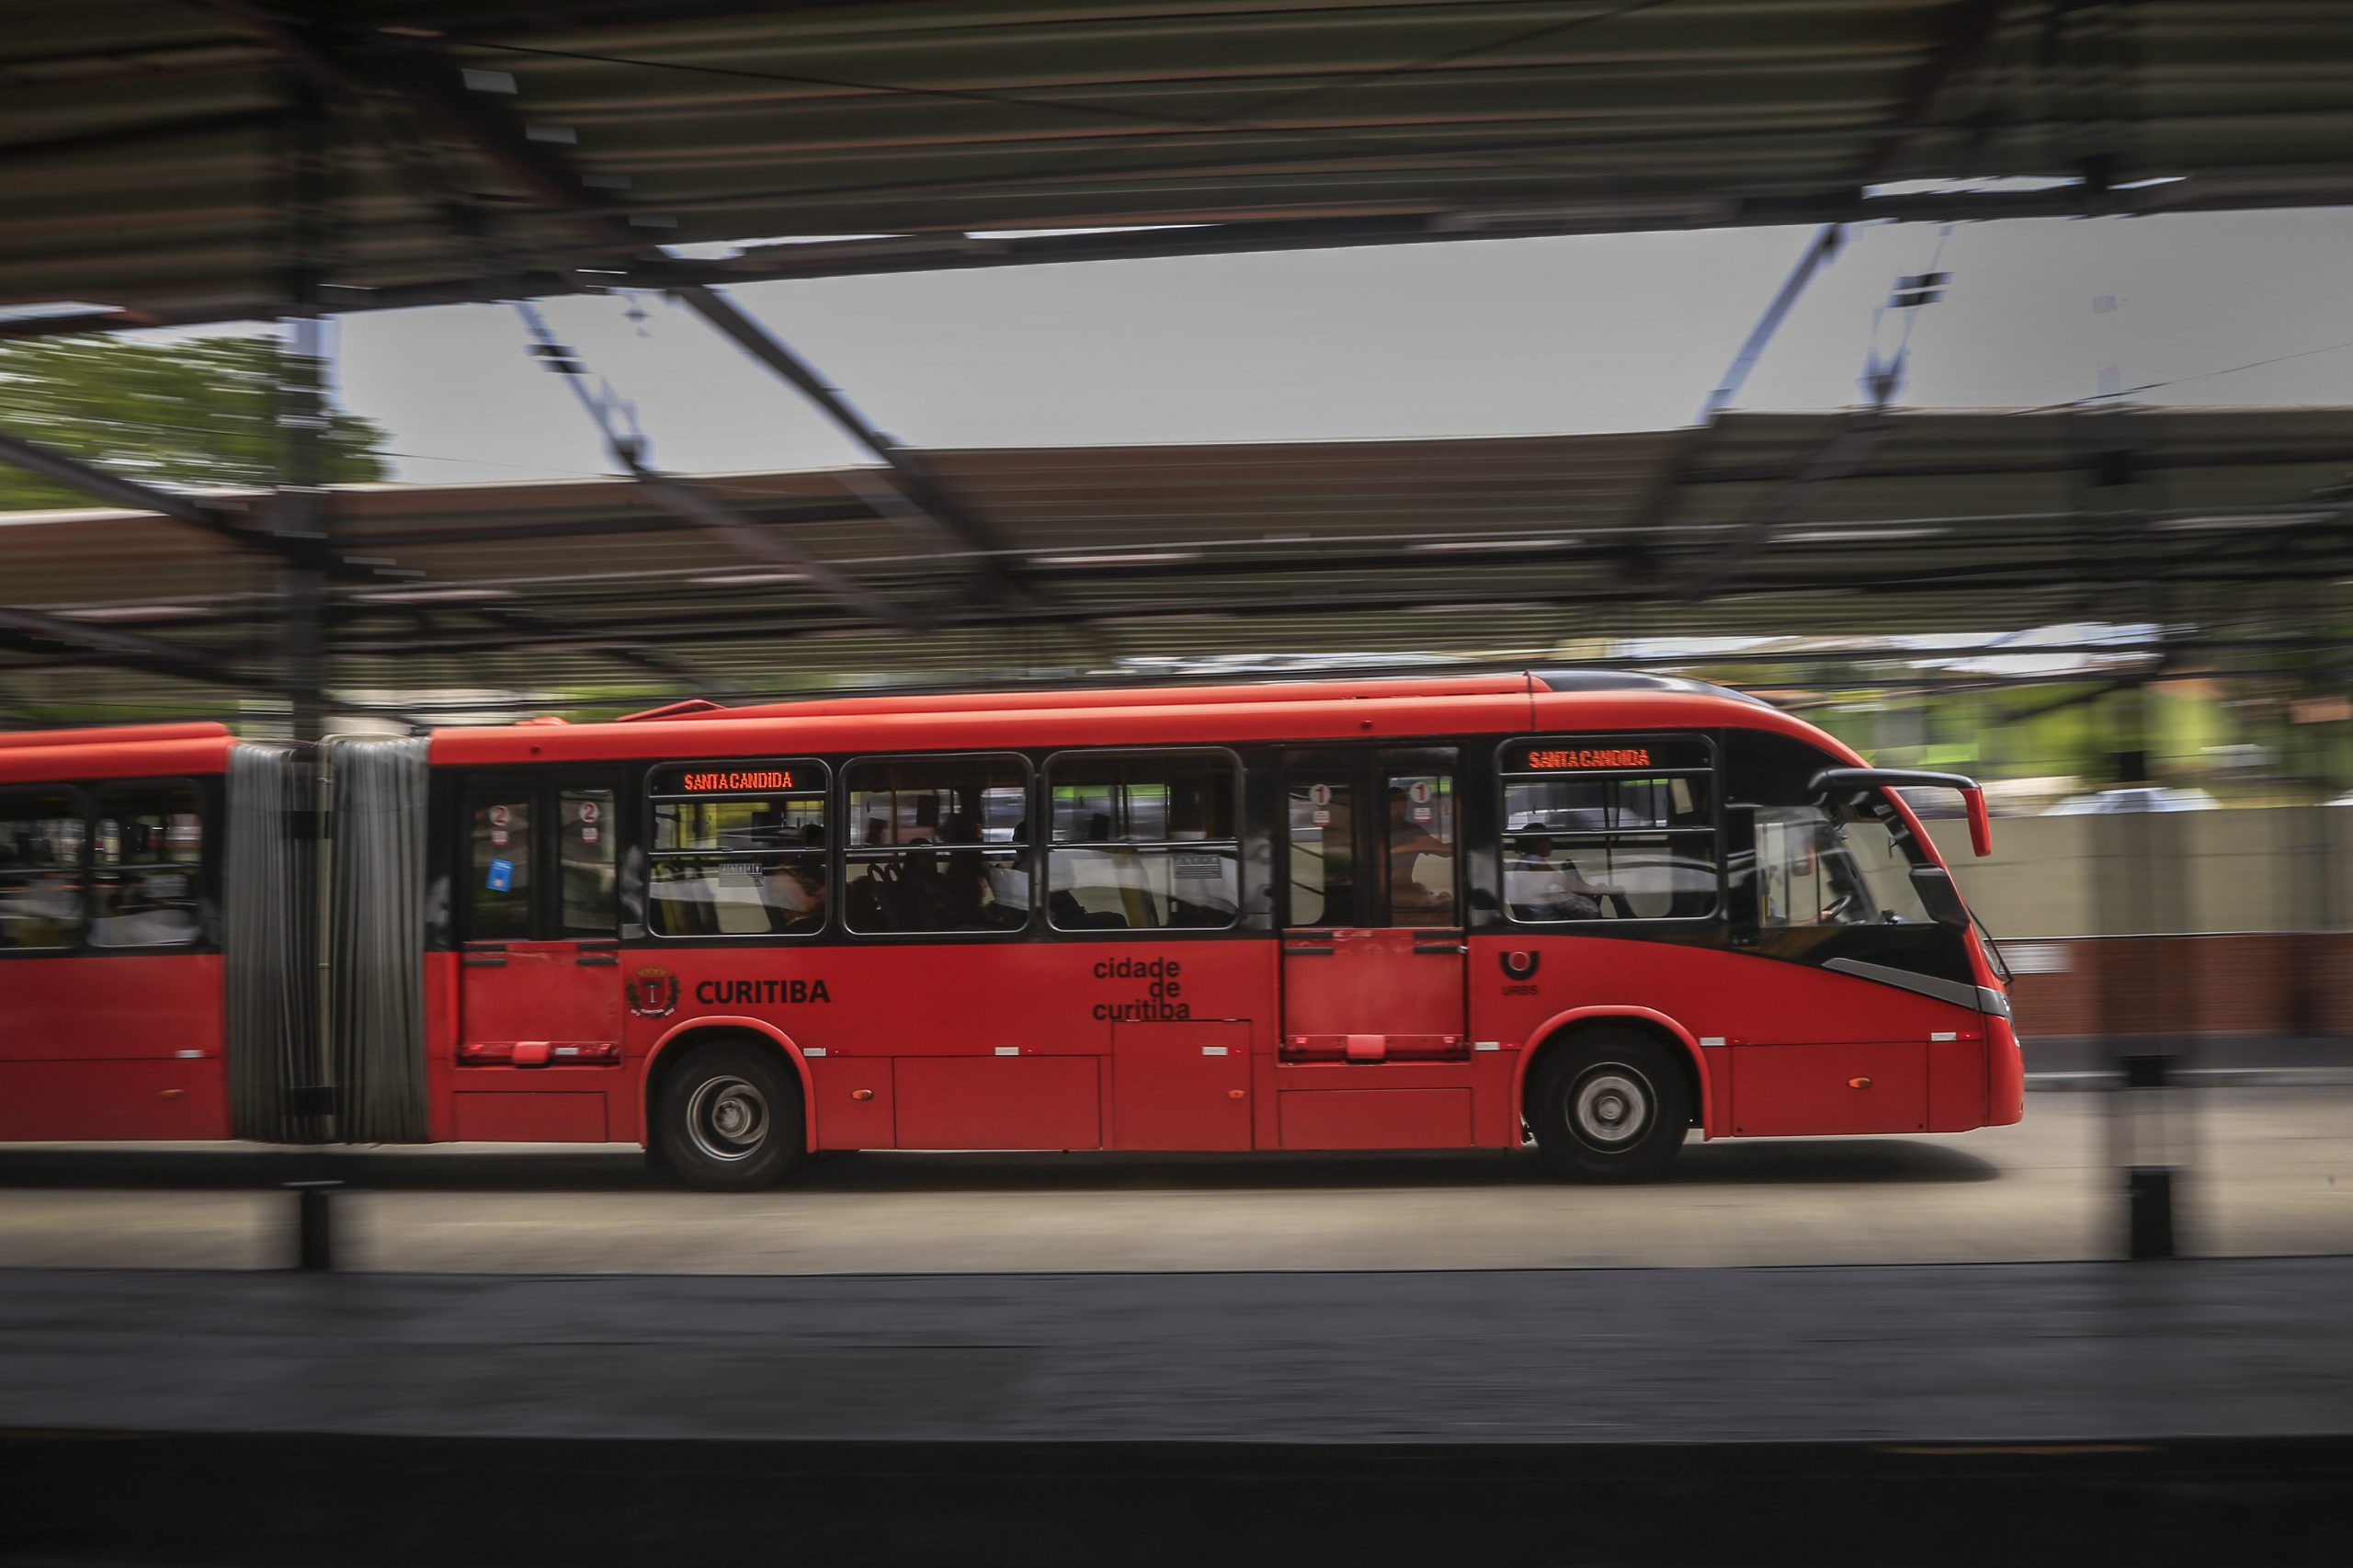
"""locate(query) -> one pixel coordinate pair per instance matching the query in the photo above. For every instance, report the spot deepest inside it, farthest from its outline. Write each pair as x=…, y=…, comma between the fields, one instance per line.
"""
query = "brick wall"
x=2268, y=983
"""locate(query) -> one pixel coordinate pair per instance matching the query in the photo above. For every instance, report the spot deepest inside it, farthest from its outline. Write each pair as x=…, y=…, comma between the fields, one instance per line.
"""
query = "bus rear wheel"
x=729, y=1120
x=1611, y=1104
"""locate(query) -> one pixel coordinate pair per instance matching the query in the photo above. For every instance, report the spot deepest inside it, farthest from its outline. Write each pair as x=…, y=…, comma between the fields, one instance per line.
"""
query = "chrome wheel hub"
x=1611, y=1107
x=728, y=1119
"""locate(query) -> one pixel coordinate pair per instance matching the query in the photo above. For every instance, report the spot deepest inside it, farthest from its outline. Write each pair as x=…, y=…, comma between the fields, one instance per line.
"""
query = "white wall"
x=2275, y=868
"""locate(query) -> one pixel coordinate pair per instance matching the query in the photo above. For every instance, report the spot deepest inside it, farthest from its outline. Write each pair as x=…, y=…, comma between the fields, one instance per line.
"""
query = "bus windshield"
x=1846, y=863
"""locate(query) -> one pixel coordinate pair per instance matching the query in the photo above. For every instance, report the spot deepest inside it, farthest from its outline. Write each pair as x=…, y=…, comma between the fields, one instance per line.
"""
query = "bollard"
x=2148, y=1188
x=314, y=1233
x=2148, y=1193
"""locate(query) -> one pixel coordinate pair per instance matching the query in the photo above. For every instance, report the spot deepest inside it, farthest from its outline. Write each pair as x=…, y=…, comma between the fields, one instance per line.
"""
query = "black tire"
x=1609, y=1105
x=729, y=1118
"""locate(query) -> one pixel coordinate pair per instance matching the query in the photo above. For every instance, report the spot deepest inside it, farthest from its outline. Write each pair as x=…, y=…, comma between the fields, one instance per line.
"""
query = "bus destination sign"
x=784, y=776
x=1601, y=753
x=1544, y=758
x=709, y=783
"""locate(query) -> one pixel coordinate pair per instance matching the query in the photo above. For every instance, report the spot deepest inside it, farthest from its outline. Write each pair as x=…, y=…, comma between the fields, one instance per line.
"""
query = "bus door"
x=1373, y=961
x=539, y=978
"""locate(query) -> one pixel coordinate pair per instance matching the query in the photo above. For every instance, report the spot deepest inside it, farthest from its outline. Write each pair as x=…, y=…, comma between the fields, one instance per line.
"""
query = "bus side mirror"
x=1980, y=822
x=1939, y=897
x=1830, y=781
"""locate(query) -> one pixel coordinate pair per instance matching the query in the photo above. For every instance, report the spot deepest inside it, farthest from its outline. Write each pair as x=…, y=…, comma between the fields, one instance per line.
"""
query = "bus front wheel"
x=729, y=1118
x=1609, y=1105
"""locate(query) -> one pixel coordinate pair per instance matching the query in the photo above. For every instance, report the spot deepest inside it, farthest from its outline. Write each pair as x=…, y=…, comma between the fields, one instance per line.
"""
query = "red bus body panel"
x=1771, y=1042
x=112, y=1046
x=2006, y=1076
x=99, y=1045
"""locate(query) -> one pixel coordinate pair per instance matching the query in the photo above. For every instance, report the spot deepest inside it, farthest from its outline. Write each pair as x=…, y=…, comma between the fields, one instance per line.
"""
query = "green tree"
x=200, y=412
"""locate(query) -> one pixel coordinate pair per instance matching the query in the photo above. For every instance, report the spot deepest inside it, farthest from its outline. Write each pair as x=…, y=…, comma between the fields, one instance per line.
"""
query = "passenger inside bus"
x=40, y=879
x=941, y=875
x=1539, y=883
x=1156, y=858
x=143, y=885
x=742, y=867
x=795, y=891
x=961, y=888
x=1421, y=855
x=1008, y=877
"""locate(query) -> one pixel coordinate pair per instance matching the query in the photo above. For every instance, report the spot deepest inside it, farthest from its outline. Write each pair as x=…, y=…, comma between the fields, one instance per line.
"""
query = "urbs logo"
x=1521, y=964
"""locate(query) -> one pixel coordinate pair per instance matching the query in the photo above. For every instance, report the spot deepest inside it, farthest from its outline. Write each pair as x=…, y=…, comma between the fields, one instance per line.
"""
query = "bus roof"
x=1384, y=689
x=1183, y=717
x=101, y=754
x=111, y=734
x=1098, y=697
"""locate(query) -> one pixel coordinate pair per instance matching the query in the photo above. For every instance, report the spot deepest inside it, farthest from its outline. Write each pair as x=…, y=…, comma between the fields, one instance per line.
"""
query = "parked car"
x=2134, y=798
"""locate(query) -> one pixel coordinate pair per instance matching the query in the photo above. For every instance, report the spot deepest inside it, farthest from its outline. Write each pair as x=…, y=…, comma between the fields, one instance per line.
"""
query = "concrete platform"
x=2156, y=1413
x=2018, y=1354
x=2271, y=1172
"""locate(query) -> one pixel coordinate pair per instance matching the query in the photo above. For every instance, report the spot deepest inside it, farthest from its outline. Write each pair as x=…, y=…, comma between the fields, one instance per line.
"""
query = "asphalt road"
x=2270, y=1174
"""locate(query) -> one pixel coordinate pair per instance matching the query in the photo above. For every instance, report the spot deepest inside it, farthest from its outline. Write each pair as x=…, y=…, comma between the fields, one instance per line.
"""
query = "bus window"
x=41, y=867
x=1142, y=841
x=921, y=855
x=748, y=860
x=584, y=859
x=1591, y=833
x=1421, y=849
x=1848, y=867
x=498, y=865
x=145, y=859
x=1323, y=850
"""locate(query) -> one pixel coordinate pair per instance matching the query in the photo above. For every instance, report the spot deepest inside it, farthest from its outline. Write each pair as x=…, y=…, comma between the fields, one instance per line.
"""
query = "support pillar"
x=304, y=523
x=299, y=514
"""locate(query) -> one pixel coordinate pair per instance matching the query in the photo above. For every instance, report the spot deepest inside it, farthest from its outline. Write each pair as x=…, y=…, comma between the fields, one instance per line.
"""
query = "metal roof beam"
x=767, y=512
x=544, y=633
x=132, y=495
x=1970, y=28
x=129, y=494
x=699, y=507
x=119, y=136
x=431, y=83
x=488, y=19
x=921, y=487
x=707, y=511
x=1659, y=506
x=2235, y=191
x=1846, y=450
x=106, y=644
x=1303, y=611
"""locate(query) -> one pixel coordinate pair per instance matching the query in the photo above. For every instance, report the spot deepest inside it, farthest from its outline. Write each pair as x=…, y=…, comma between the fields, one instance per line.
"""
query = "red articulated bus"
x=1597, y=909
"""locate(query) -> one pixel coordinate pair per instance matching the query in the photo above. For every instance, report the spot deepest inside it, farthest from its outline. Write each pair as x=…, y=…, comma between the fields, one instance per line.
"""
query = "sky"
x=1523, y=336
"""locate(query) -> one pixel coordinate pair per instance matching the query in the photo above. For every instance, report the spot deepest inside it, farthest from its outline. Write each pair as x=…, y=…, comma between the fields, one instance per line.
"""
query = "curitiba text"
x=720, y=993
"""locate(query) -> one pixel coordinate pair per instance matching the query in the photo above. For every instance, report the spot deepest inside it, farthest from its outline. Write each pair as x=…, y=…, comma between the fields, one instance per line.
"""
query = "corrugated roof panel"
x=146, y=139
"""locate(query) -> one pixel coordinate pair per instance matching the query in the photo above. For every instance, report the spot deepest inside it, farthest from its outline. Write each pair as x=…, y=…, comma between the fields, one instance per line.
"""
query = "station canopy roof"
x=1548, y=549
x=155, y=149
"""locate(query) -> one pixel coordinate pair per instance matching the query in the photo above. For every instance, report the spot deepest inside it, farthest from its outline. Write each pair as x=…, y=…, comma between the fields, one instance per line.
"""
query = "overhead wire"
x=2182, y=380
